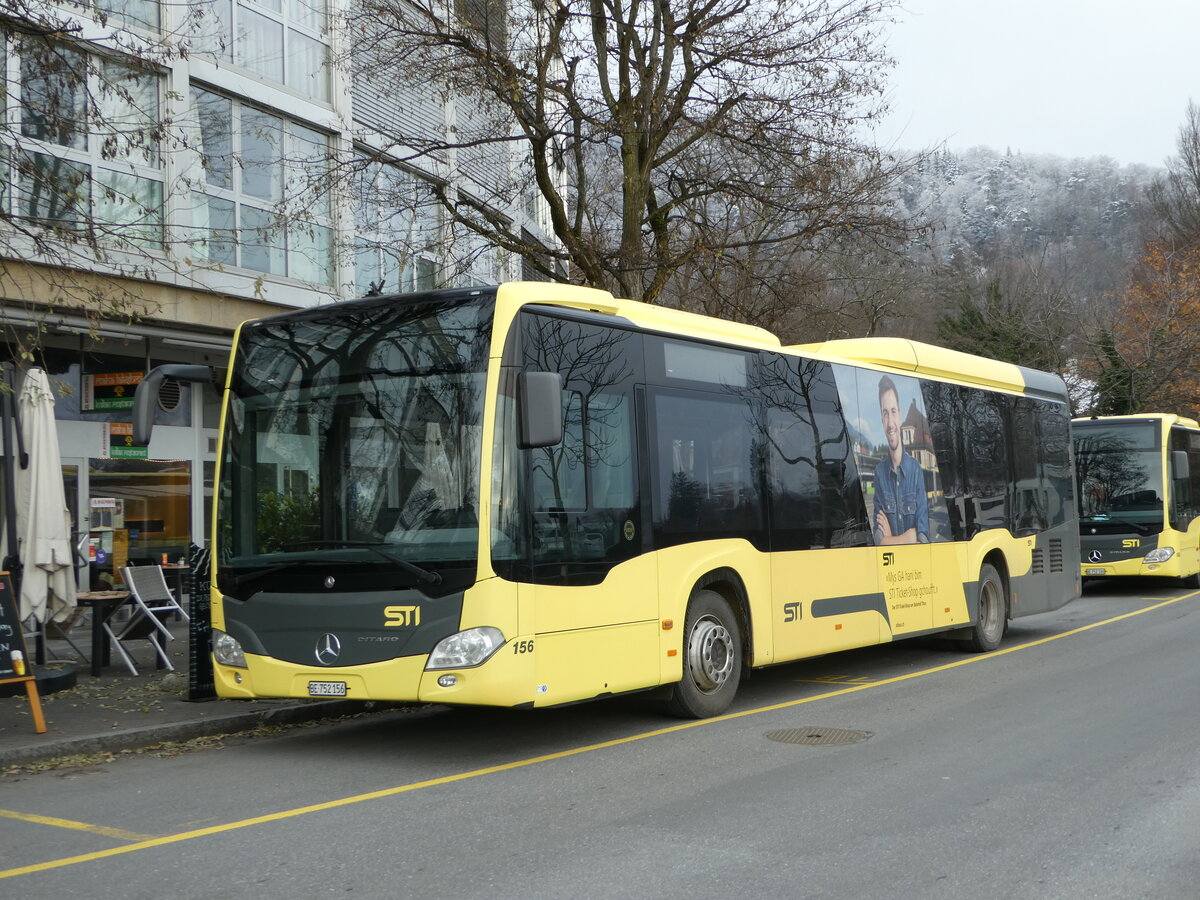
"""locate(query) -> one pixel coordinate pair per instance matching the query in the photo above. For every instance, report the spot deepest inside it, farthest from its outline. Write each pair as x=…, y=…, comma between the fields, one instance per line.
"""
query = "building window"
x=286, y=41
x=396, y=230
x=261, y=200
x=136, y=13
x=85, y=156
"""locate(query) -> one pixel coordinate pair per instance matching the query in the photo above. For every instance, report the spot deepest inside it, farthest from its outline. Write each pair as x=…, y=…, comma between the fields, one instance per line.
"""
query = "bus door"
x=595, y=612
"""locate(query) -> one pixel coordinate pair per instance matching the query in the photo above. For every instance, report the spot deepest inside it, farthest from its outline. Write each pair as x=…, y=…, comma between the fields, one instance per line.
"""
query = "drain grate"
x=815, y=734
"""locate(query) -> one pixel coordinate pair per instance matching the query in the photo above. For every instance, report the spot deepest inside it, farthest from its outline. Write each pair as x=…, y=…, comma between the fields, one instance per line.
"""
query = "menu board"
x=11, y=636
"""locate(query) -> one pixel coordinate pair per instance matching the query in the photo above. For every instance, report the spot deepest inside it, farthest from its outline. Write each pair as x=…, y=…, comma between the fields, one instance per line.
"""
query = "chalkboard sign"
x=12, y=640
x=11, y=636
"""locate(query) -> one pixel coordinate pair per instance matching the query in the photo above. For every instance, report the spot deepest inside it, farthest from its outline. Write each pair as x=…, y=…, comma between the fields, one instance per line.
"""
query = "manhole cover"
x=817, y=735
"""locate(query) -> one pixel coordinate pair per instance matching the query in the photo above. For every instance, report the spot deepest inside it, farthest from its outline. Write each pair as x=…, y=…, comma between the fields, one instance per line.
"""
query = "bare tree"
x=1175, y=196
x=654, y=135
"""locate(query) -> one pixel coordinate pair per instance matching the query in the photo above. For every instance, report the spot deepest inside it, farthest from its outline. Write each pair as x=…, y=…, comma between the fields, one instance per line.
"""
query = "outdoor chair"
x=152, y=603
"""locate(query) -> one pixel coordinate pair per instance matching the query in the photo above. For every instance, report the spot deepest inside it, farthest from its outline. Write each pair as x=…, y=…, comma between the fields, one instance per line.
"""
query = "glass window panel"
x=259, y=44
x=154, y=498
x=143, y=13
x=307, y=13
x=52, y=190
x=213, y=229
x=558, y=478
x=368, y=267
x=273, y=5
x=310, y=256
x=261, y=241
x=308, y=167
x=210, y=22
x=131, y=203
x=214, y=115
x=128, y=114
x=425, y=277
x=364, y=197
x=262, y=161
x=5, y=195
x=307, y=66
x=54, y=94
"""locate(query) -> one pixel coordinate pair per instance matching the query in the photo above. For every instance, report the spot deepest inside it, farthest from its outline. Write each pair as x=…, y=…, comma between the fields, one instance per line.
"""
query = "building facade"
x=169, y=170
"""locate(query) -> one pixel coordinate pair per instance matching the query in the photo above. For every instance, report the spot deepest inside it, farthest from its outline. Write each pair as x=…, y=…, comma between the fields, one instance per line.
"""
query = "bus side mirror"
x=145, y=398
x=1179, y=462
x=539, y=409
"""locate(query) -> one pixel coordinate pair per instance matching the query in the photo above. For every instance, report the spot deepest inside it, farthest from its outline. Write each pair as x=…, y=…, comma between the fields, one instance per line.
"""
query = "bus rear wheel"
x=991, y=619
x=712, y=658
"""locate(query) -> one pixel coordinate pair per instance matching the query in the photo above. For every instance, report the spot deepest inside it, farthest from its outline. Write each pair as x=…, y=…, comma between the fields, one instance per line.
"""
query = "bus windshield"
x=352, y=437
x=1119, y=469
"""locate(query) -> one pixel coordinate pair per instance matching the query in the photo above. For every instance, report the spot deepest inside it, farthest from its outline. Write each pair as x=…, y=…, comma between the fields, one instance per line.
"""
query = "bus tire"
x=991, y=617
x=1191, y=582
x=712, y=658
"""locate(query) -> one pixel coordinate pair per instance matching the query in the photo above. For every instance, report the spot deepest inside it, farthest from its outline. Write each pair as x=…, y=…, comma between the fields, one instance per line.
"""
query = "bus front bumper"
x=1136, y=567
x=504, y=679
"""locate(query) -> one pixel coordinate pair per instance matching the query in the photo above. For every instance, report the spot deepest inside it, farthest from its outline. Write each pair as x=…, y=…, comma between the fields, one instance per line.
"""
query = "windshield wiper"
x=240, y=580
x=420, y=573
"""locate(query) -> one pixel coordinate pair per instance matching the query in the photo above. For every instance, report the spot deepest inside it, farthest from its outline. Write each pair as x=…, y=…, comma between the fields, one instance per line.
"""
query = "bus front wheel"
x=712, y=658
x=991, y=618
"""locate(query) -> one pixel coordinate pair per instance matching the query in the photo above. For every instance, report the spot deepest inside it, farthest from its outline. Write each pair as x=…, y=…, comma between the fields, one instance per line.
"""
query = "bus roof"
x=645, y=315
x=899, y=354
x=938, y=362
x=1167, y=418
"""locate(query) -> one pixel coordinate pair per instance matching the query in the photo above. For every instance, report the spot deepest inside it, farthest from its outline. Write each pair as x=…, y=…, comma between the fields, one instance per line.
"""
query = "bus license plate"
x=327, y=689
x=1095, y=571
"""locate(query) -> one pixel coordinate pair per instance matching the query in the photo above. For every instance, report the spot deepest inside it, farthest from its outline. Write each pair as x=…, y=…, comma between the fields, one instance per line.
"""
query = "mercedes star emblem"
x=1094, y=556
x=328, y=649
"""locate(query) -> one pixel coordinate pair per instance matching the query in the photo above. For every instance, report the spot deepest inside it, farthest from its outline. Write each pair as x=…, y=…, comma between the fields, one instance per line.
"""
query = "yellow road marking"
x=77, y=826
x=835, y=679
x=562, y=754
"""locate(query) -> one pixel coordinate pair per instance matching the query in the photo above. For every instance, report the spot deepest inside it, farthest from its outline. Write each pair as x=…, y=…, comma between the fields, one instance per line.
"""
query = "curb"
x=134, y=738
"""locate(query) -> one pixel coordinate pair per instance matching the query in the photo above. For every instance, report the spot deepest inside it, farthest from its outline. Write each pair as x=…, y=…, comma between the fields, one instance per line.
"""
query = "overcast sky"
x=1069, y=77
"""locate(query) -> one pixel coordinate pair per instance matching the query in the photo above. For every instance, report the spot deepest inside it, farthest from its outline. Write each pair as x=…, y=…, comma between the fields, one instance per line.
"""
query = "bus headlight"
x=1159, y=555
x=227, y=651
x=465, y=649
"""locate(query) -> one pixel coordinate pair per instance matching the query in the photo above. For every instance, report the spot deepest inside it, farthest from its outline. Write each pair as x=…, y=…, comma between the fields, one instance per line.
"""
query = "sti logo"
x=889, y=558
x=1131, y=542
x=401, y=615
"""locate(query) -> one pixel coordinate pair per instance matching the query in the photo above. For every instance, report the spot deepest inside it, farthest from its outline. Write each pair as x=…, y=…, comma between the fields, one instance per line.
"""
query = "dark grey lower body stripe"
x=840, y=606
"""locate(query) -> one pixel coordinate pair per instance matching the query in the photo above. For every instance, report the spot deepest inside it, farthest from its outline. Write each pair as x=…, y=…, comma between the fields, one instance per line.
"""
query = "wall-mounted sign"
x=120, y=442
x=113, y=390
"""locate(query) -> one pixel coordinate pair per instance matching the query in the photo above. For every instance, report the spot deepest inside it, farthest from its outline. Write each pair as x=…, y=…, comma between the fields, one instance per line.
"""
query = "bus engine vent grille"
x=1038, y=566
x=1056, y=555
x=816, y=734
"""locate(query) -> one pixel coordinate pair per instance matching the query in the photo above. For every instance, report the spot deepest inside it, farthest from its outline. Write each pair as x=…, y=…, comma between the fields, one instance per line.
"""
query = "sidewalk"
x=123, y=712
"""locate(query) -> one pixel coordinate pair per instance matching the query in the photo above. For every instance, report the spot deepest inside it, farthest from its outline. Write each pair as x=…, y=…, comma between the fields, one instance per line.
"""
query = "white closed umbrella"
x=43, y=520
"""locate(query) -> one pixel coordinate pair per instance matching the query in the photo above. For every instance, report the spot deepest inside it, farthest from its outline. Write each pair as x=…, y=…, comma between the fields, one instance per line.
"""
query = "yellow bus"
x=1139, y=495
x=535, y=494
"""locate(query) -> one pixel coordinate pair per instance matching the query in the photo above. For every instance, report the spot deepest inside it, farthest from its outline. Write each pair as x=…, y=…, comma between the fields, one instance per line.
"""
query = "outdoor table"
x=104, y=604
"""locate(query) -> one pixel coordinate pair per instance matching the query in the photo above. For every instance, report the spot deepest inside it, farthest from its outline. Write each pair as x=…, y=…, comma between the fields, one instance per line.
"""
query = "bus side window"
x=816, y=494
x=1183, y=490
x=944, y=407
x=706, y=472
x=987, y=468
x=1193, y=452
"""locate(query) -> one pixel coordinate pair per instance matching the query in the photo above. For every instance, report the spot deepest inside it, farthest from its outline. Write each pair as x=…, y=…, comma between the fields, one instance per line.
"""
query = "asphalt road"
x=1064, y=765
